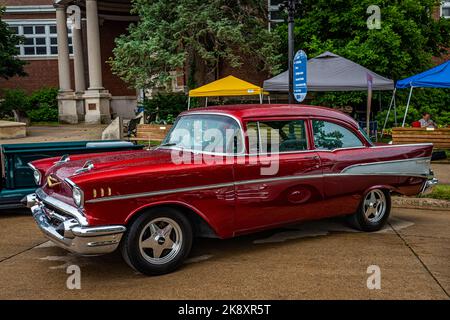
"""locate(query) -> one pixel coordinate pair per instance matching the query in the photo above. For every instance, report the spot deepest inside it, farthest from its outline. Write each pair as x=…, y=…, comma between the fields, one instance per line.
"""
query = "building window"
x=445, y=9
x=40, y=38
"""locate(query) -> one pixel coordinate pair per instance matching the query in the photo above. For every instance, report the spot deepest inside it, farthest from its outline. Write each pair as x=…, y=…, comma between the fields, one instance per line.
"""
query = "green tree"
x=10, y=65
x=173, y=34
x=404, y=45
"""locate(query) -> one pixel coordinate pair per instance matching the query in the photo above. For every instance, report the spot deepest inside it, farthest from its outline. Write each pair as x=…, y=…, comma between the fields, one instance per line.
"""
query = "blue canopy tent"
x=437, y=77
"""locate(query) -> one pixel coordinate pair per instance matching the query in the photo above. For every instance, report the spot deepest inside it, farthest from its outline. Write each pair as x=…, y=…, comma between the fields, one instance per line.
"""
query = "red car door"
x=279, y=180
x=338, y=146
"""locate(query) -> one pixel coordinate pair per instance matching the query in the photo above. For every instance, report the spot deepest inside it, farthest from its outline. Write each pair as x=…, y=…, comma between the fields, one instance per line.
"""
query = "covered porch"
x=88, y=91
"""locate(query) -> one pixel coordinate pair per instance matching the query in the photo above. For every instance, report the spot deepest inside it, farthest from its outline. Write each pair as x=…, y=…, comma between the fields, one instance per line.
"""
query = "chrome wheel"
x=160, y=240
x=375, y=205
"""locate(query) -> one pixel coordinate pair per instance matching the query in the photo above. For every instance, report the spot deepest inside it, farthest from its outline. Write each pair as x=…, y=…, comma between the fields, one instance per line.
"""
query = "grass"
x=440, y=191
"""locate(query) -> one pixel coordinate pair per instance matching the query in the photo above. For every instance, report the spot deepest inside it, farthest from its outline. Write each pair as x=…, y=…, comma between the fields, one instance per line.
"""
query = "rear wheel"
x=373, y=211
x=158, y=241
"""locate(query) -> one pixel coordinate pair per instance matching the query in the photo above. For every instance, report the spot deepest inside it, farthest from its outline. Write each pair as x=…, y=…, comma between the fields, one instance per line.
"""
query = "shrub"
x=45, y=113
x=44, y=96
x=166, y=105
x=434, y=101
x=41, y=105
x=14, y=99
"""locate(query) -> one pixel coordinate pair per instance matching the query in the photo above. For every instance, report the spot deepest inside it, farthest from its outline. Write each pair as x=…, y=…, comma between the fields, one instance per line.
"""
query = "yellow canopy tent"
x=228, y=86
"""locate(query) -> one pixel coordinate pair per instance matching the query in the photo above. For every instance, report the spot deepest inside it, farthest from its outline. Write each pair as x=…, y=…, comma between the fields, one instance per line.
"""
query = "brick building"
x=73, y=58
x=68, y=43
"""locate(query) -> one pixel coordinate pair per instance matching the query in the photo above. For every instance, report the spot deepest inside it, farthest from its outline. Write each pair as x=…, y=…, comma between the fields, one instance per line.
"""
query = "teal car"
x=17, y=177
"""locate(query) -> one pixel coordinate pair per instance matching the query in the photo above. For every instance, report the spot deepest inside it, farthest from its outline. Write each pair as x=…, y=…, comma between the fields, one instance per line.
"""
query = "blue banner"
x=299, y=81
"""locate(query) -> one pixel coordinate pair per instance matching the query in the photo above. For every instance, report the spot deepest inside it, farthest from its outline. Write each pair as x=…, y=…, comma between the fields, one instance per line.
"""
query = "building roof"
x=246, y=111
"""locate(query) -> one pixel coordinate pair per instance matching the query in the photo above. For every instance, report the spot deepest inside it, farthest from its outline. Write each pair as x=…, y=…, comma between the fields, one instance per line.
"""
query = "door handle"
x=317, y=159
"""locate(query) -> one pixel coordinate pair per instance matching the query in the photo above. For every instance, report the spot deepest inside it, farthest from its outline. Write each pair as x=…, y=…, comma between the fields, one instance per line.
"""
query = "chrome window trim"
x=257, y=121
x=337, y=124
x=66, y=208
x=237, y=120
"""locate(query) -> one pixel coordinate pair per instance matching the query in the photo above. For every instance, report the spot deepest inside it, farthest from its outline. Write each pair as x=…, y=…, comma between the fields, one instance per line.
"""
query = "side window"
x=330, y=136
x=276, y=136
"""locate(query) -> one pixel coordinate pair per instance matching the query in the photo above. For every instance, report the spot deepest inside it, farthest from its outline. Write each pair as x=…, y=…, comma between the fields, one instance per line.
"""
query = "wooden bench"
x=439, y=137
x=151, y=132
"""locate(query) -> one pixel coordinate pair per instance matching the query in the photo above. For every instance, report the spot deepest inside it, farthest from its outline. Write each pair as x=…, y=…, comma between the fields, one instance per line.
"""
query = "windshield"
x=205, y=132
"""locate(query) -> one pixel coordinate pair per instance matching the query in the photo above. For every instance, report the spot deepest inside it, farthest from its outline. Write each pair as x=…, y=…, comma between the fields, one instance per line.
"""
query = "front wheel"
x=158, y=241
x=373, y=211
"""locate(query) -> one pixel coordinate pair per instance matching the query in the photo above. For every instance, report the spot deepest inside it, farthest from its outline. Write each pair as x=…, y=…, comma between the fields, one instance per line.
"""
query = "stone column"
x=63, y=50
x=67, y=110
x=78, y=61
x=97, y=99
x=93, y=43
x=74, y=13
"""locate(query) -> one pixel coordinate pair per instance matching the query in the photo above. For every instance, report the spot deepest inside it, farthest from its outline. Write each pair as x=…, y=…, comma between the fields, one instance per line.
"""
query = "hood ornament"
x=65, y=158
x=88, y=166
x=52, y=182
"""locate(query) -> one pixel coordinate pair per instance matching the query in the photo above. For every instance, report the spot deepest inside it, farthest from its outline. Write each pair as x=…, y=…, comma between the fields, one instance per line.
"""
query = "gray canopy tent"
x=330, y=72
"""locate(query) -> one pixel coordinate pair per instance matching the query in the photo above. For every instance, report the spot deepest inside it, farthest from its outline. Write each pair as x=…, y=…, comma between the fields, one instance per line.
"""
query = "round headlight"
x=77, y=195
x=37, y=177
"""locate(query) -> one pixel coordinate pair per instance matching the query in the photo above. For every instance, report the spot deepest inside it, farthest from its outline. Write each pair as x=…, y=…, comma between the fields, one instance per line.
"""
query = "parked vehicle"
x=17, y=177
x=277, y=165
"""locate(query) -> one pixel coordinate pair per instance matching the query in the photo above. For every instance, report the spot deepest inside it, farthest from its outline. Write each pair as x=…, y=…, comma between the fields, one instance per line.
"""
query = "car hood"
x=109, y=161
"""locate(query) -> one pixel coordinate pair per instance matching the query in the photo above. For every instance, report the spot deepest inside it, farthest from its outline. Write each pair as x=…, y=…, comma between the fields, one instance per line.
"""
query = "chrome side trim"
x=64, y=207
x=402, y=145
x=238, y=183
x=161, y=192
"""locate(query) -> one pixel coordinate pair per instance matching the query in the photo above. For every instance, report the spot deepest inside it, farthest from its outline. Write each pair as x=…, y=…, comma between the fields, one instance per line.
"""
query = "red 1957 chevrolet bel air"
x=223, y=172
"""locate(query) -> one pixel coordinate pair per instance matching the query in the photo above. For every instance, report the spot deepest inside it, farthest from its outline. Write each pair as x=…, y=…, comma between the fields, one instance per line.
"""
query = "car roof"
x=245, y=111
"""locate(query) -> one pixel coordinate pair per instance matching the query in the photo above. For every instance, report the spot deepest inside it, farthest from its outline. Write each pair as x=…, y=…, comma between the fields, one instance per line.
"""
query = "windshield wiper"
x=168, y=144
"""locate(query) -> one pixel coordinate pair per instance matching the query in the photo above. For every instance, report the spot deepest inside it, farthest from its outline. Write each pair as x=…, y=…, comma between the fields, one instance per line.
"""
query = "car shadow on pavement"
x=206, y=250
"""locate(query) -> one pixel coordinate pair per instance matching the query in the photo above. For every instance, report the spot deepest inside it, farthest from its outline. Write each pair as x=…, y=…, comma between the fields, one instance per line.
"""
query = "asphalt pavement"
x=314, y=260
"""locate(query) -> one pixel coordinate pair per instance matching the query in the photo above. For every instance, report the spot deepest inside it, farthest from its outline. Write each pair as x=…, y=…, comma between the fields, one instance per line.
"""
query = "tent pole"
x=395, y=112
x=268, y=97
x=189, y=103
x=260, y=98
x=389, y=112
x=407, y=106
x=206, y=102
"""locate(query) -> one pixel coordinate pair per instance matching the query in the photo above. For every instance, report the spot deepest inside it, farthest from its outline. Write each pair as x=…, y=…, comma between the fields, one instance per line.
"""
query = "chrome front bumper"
x=68, y=233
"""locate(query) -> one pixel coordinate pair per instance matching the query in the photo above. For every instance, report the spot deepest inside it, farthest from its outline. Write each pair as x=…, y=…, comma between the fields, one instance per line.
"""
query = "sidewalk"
x=59, y=133
x=441, y=172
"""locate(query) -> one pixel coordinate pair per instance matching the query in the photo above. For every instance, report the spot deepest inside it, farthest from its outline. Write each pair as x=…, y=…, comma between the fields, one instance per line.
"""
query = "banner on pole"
x=300, y=85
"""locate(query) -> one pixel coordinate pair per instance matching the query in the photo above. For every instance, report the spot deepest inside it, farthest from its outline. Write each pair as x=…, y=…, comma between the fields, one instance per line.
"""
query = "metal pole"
x=291, y=12
x=395, y=110
x=407, y=106
x=389, y=112
x=189, y=103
